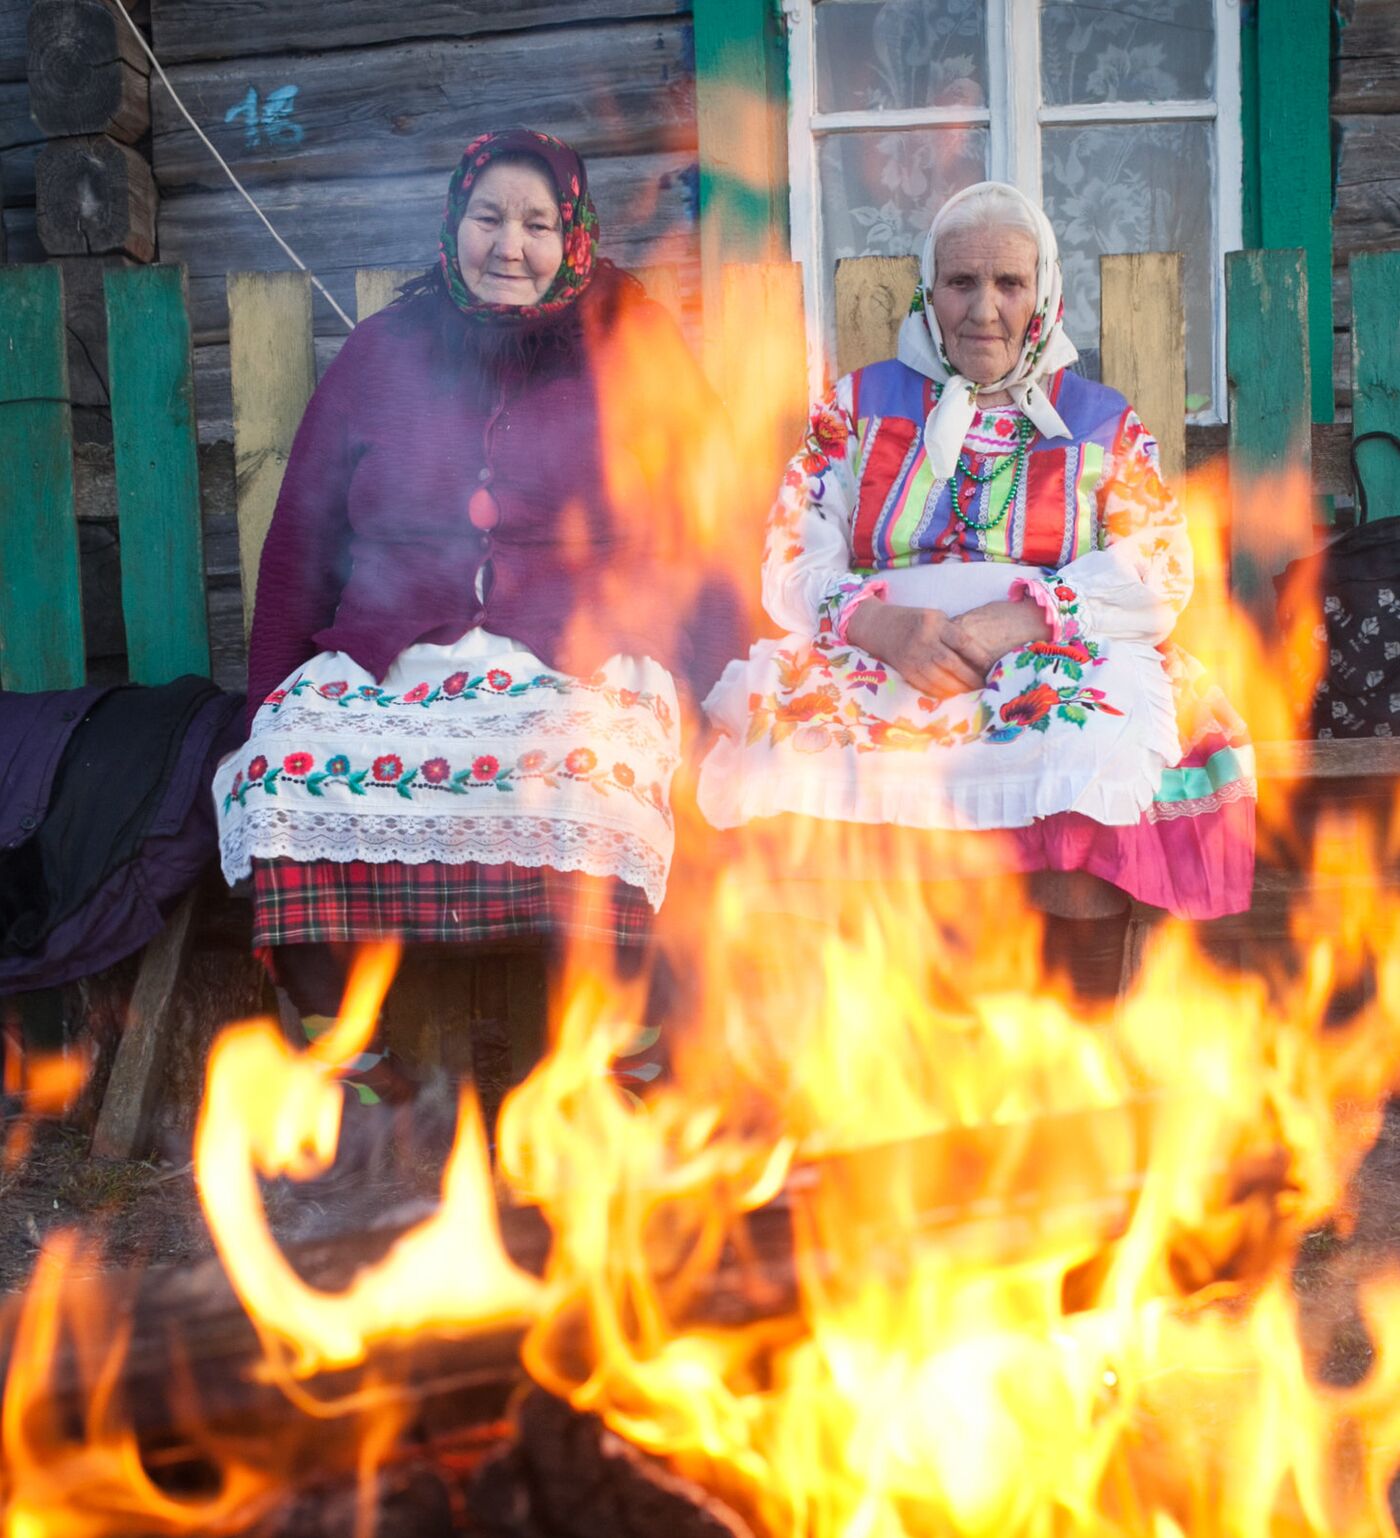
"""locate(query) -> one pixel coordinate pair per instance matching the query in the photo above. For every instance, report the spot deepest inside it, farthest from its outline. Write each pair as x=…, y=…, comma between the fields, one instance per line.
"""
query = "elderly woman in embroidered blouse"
x=977, y=567
x=474, y=606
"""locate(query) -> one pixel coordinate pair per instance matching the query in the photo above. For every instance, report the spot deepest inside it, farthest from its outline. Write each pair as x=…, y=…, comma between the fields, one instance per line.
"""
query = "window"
x=1121, y=116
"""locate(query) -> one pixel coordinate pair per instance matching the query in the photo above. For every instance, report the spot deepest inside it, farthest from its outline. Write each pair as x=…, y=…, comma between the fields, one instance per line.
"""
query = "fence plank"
x=376, y=286
x=1375, y=372
x=663, y=284
x=272, y=372
x=872, y=298
x=153, y=433
x=1142, y=345
x=1266, y=362
x=41, y=623
x=763, y=361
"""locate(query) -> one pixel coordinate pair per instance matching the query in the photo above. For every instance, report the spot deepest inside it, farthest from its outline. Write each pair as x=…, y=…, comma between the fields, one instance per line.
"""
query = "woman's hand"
x=942, y=656
x=921, y=645
x=989, y=631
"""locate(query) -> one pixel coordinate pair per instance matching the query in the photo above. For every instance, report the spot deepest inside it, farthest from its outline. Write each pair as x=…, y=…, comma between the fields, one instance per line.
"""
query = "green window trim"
x=1286, y=108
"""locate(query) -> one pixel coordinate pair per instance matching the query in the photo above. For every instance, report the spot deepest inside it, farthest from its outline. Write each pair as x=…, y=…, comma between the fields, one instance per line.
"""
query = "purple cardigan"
x=370, y=548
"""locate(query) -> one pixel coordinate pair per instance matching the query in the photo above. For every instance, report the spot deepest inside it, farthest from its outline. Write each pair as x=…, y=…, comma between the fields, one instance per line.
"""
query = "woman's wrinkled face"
x=983, y=298
x=510, y=242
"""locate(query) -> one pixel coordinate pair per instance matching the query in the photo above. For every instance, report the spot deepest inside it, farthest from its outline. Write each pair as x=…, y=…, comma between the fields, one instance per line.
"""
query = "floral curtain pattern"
x=881, y=55
x=1134, y=187
x=1134, y=50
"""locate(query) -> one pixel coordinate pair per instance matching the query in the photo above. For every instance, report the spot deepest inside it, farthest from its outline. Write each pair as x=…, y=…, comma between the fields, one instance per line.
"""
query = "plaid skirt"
x=309, y=902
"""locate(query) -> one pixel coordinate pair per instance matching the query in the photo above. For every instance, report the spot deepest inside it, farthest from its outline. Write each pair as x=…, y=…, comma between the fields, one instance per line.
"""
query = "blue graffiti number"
x=268, y=117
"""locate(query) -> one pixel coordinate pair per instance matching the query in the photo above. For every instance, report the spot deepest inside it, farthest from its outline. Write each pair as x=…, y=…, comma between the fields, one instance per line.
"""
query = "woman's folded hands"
x=940, y=655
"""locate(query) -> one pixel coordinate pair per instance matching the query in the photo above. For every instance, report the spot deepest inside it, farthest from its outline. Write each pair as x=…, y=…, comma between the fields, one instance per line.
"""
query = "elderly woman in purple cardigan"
x=456, y=732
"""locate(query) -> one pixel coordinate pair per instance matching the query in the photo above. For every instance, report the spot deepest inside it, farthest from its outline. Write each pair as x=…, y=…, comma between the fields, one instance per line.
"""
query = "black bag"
x=1357, y=581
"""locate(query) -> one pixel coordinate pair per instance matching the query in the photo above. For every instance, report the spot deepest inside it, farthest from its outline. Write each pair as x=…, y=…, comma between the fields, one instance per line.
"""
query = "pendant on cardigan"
x=483, y=510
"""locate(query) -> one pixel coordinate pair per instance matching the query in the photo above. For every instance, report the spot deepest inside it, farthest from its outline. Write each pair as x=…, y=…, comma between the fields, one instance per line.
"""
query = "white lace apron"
x=469, y=752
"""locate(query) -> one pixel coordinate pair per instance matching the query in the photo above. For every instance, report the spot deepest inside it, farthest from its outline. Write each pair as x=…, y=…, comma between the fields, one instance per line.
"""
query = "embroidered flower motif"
x=576, y=247
x=581, y=761
x=1071, y=651
x=1035, y=328
x=298, y=763
x=1031, y=708
x=1004, y=427
x=335, y=690
x=435, y=770
x=1065, y=594
x=624, y=775
x=416, y=693
x=529, y=762
x=829, y=431
x=257, y=768
x=388, y=766
x=454, y=684
x=339, y=764
x=369, y=691
x=485, y=767
x=627, y=698
x=811, y=738
x=498, y=678
x=237, y=783
x=276, y=697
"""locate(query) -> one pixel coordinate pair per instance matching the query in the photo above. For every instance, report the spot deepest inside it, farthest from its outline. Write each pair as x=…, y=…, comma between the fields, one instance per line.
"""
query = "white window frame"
x=1014, y=142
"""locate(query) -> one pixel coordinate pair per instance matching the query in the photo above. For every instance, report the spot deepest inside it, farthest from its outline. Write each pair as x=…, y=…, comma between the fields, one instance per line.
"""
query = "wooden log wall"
x=344, y=125
x=20, y=139
x=1366, y=134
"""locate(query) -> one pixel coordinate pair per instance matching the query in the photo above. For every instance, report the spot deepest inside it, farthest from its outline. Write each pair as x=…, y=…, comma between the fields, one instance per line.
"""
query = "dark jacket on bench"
x=105, y=819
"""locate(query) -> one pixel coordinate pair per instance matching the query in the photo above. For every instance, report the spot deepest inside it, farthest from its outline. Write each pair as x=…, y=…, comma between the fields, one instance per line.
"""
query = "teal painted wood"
x=1266, y=366
x=1375, y=375
x=153, y=429
x=1295, y=159
x=41, y=620
x=1249, y=126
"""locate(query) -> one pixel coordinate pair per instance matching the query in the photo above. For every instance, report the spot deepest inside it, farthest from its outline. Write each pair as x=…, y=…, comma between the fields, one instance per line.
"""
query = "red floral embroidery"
x=485, y=767
x=624, y=775
x=257, y=768
x=1032, y=706
x=435, y=770
x=298, y=763
x=276, y=697
x=335, y=690
x=1071, y=650
x=534, y=759
x=1065, y=594
x=389, y=766
x=498, y=678
x=581, y=761
x=416, y=693
x=454, y=684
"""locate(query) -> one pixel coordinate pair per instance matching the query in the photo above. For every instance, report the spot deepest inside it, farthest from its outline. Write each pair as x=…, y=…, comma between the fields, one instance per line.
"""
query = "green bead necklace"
x=964, y=474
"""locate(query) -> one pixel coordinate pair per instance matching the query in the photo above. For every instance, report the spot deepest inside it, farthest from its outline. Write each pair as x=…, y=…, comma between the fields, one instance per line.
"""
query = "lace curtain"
x=1125, y=187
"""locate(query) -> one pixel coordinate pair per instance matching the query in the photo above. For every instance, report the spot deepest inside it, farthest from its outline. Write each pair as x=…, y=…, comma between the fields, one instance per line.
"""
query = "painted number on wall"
x=268, y=119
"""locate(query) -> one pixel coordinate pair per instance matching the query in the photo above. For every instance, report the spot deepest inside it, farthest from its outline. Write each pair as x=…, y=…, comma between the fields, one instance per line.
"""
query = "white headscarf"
x=1046, y=347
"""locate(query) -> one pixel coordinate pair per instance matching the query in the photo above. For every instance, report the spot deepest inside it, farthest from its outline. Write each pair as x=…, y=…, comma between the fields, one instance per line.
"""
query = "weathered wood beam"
x=221, y=29
x=41, y=624
x=1269, y=393
x=94, y=195
x=1142, y=346
x=872, y=298
x=645, y=205
x=87, y=73
x=1364, y=216
x=273, y=367
x=125, y=1124
x=1375, y=288
x=1368, y=59
x=163, y=597
x=14, y=49
x=20, y=140
x=612, y=90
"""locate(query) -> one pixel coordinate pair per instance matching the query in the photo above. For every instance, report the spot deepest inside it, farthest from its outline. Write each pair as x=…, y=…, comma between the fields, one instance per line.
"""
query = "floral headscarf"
x=1046, y=347
x=578, y=218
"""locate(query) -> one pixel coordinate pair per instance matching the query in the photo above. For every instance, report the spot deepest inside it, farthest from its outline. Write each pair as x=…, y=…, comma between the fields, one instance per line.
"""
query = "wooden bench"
x=272, y=363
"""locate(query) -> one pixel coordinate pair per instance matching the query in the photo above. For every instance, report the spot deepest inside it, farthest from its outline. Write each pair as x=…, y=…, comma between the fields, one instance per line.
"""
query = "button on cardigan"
x=372, y=548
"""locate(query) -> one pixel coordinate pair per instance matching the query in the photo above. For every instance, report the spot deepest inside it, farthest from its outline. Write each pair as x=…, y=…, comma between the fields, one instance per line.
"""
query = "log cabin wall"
x=19, y=139
x=344, y=122
x=1366, y=140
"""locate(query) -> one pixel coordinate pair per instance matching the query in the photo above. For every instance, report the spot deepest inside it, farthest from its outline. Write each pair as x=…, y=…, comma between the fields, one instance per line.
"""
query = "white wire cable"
x=320, y=287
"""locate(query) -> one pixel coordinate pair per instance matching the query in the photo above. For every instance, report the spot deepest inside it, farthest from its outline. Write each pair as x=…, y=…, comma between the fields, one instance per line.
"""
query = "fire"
x=273, y=1111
